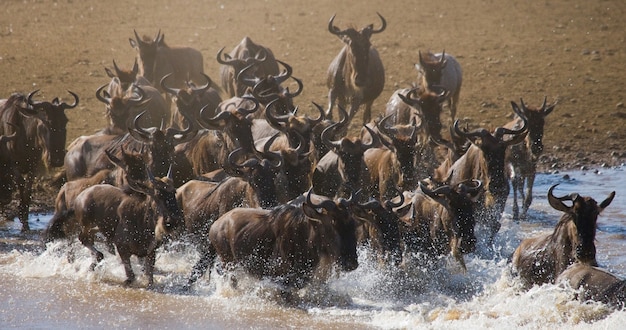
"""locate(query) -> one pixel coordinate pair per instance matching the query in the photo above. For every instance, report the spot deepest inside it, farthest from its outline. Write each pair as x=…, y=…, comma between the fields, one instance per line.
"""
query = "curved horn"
x=245, y=111
x=384, y=24
x=225, y=61
x=285, y=74
x=382, y=127
x=29, y=98
x=66, y=106
x=477, y=133
x=186, y=134
x=204, y=87
x=275, y=120
x=250, y=82
x=298, y=91
x=332, y=145
x=471, y=189
x=252, y=162
x=557, y=202
x=333, y=29
x=170, y=90
x=213, y=122
x=375, y=139
x=443, y=57
x=170, y=172
x=141, y=132
x=272, y=156
x=389, y=204
x=322, y=116
x=435, y=193
x=328, y=205
x=101, y=97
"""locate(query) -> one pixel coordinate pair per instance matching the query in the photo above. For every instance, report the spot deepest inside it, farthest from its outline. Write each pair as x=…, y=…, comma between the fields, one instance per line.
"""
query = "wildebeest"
x=191, y=99
x=157, y=59
x=134, y=221
x=122, y=80
x=442, y=70
x=286, y=243
x=541, y=259
x=356, y=76
x=122, y=108
x=245, y=54
x=522, y=158
x=594, y=283
x=86, y=155
x=441, y=221
x=41, y=136
x=485, y=161
x=340, y=171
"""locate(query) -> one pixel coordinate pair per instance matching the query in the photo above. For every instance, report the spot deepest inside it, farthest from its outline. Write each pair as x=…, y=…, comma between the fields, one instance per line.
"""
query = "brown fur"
x=285, y=244
x=356, y=76
x=541, y=259
x=595, y=284
x=135, y=223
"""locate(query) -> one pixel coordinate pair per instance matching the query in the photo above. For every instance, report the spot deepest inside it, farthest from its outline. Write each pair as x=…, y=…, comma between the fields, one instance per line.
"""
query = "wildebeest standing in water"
x=356, y=76
x=522, y=158
x=541, y=259
x=286, y=243
x=135, y=220
x=594, y=284
x=40, y=136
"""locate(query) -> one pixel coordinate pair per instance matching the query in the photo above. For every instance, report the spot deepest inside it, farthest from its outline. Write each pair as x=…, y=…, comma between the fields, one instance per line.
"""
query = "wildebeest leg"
x=25, y=186
x=515, y=182
x=355, y=103
x=125, y=256
x=149, y=261
x=206, y=261
x=367, y=113
x=528, y=199
x=453, y=101
x=87, y=238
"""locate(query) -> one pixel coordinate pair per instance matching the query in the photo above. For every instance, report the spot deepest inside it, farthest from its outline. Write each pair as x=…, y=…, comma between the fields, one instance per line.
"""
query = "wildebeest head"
x=260, y=172
x=359, y=45
x=536, y=121
x=339, y=215
x=433, y=66
x=163, y=194
x=428, y=103
x=584, y=214
x=52, y=115
x=147, y=51
x=387, y=223
x=125, y=78
x=161, y=141
x=259, y=60
x=350, y=152
x=292, y=125
x=460, y=201
x=119, y=108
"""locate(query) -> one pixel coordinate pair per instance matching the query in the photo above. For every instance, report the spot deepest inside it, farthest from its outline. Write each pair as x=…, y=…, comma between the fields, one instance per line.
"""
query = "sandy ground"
x=570, y=51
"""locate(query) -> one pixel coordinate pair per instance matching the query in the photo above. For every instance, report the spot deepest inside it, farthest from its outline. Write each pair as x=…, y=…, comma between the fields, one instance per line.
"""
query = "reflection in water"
x=41, y=288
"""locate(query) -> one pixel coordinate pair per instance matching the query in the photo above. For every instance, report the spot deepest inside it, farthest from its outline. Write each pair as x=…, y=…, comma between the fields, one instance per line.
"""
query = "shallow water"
x=40, y=288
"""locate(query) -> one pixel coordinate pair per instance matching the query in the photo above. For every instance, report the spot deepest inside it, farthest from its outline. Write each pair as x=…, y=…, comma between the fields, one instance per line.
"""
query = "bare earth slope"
x=571, y=51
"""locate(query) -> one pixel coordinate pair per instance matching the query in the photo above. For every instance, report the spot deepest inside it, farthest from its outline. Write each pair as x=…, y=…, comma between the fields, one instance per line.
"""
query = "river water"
x=40, y=288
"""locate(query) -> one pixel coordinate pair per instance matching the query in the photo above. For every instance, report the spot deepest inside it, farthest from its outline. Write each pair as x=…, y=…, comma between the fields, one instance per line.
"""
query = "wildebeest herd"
x=248, y=179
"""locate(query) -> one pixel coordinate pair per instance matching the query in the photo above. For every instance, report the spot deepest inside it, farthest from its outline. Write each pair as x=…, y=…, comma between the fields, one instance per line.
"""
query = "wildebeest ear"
x=109, y=72
x=607, y=201
x=132, y=42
